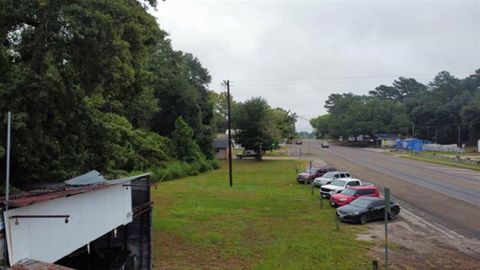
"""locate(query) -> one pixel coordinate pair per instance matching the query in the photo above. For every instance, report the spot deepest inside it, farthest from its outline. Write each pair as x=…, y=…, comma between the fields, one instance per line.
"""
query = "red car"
x=351, y=193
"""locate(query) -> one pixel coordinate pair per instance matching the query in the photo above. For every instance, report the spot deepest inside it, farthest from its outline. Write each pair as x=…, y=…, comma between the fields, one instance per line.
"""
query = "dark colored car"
x=247, y=154
x=363, y=210
x=308, y=175
x=351, y=193
x=298, y=142
x=325, y=145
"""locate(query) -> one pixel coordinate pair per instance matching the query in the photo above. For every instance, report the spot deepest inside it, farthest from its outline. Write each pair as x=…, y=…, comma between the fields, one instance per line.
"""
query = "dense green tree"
x=407, y=88
x=220, y=110
x=285, y=121
x=386, y=92
x=89, y=82
x=186, y=148
x=352, y=115
x=256, y=127
x=320, y=125
x=471, y=116
x=180, y=85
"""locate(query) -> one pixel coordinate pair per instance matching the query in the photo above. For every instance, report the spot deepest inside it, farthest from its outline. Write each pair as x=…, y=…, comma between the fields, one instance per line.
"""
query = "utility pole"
x=413, y=130
x=7, y=184
x=459, y=141
x=428, y=132
x=227, y=84
x=435, y=136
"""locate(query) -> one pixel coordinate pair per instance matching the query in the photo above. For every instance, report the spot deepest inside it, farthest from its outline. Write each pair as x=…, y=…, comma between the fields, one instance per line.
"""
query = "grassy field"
x=266, y=221
x=442, y=162
x=281, y=152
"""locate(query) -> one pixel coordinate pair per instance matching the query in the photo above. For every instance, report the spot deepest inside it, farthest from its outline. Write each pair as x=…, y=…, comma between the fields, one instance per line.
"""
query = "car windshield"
x=329, y=175
x=338, y=183
x=313, y=170
x=349, y=192
x=362, y=203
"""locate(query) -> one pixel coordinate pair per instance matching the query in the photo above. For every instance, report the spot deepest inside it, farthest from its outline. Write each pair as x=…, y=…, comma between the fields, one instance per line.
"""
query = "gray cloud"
x=295, y=53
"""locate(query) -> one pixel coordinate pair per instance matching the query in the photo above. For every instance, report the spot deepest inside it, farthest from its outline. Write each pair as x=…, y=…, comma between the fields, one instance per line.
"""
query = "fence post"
x=337, y=222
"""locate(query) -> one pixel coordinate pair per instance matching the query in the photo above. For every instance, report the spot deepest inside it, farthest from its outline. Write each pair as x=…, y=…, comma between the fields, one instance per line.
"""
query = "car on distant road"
x=309, y=174
x=298, y=142
x=350, y=194
x=338, y=185
x=363, y=210
x=325, y=145
x=328, y=177
x=247, y=154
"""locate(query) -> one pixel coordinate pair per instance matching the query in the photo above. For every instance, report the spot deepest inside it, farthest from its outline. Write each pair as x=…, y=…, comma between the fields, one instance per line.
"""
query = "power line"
x=338, y=78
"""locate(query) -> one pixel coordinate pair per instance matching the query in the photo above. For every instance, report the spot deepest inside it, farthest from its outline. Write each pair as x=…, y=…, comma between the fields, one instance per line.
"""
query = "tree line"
x=446, y=110
x=97, y=85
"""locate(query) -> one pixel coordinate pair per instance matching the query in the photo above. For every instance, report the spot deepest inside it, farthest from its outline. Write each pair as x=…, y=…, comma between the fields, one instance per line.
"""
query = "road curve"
x=446, y=195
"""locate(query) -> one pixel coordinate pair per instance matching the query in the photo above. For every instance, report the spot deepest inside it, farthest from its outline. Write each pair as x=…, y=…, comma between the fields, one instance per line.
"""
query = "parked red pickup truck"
x=309, y=174
x=351, y=193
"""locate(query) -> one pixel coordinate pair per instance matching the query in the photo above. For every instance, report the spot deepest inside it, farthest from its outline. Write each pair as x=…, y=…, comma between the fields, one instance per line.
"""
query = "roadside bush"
x=178, y=169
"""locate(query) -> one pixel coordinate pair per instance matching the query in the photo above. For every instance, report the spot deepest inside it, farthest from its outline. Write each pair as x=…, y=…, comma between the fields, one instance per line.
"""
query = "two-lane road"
x=447, y=195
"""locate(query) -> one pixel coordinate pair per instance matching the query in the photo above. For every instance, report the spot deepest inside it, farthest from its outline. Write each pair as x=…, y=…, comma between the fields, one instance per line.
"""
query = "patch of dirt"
x=414, y=243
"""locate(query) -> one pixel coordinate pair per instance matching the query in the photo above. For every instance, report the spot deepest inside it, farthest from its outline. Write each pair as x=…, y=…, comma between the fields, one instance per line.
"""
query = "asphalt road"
x=441, y=194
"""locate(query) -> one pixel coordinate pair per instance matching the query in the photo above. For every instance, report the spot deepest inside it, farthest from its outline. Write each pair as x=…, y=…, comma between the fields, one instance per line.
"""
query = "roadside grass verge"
x=442, y=162
x=266, y=221
x=468, y=152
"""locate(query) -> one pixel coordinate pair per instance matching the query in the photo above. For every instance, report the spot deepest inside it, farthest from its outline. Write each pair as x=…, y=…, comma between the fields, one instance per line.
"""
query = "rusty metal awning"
x=28, y=198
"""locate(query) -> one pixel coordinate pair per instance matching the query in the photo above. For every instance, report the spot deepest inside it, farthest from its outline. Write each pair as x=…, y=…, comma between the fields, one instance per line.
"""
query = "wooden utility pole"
x=459, y=142
x=230, y=181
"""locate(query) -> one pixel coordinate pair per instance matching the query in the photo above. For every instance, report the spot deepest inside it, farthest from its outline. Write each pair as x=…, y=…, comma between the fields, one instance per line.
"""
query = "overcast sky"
x=296, y=53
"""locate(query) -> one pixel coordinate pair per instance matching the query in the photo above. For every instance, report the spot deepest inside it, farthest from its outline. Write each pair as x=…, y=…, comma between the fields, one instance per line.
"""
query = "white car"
x=328, y=177
x=338, y=185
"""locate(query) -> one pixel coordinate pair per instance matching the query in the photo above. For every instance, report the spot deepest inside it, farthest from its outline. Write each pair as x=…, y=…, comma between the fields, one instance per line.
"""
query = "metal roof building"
x=88, y=223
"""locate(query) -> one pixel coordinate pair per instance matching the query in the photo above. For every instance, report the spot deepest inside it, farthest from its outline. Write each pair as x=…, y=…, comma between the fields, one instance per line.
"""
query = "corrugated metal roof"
x=90, y=178
x=28, y=198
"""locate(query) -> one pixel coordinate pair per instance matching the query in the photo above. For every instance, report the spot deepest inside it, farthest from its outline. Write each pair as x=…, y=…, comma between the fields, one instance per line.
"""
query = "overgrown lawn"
x=266, y=221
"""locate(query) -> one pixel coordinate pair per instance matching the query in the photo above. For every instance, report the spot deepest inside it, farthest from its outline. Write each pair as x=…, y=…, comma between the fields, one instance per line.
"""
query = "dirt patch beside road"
x=418, y=244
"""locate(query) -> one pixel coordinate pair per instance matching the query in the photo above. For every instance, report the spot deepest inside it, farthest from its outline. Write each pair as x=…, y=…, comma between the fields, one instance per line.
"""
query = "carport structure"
x=85, y=223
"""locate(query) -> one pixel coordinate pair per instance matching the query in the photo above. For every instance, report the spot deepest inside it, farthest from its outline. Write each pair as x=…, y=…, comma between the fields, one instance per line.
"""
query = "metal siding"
x=92, y=214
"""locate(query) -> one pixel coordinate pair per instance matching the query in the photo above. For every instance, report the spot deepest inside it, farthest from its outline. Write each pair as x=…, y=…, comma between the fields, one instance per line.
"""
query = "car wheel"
x=363, y=219
x=392, y=216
